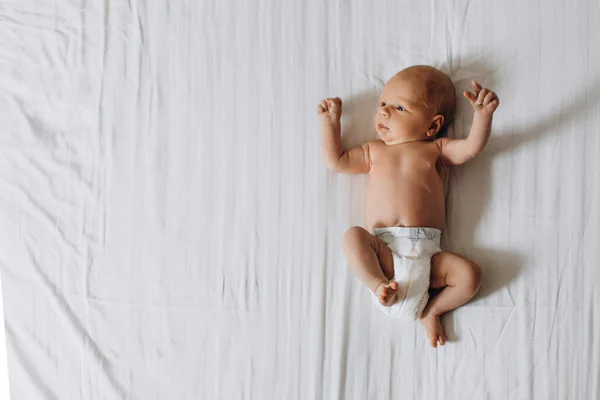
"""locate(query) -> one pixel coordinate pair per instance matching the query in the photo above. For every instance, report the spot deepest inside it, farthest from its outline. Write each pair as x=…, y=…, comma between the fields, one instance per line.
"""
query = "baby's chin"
x=387, y=136
x=390, y=139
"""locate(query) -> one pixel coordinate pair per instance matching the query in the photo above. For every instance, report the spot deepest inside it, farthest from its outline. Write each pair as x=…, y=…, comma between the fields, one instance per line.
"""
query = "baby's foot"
x=435, y=330
x=387, y=292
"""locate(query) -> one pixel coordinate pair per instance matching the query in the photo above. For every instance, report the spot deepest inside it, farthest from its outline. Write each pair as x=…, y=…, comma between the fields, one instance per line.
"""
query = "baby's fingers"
x=476, y=86
x=491, y=96
x=470, y=96
x=322, y=107
x=334, y=103
x=484, y=92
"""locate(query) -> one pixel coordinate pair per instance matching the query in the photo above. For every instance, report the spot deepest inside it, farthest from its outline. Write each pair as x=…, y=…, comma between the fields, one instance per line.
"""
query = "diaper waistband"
x=409, y=232
x=412, y=233
x=411, y=242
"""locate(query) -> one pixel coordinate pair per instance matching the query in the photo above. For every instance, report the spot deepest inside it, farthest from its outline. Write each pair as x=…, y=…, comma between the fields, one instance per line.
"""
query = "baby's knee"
x=352, y=237
x=473, y=276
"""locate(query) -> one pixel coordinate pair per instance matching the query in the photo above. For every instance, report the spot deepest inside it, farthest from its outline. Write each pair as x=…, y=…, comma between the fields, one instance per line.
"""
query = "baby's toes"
x=433, y=340
x=383, y=295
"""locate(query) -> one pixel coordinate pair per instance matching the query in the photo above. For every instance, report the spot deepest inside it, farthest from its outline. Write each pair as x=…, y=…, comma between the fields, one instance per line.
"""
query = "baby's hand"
x=484, y=101
x=330, y=110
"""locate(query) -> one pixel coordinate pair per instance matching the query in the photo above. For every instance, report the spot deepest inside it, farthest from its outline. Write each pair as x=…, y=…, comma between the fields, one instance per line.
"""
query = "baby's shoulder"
x=439, y=143
x=374, y=148
x=375, y=145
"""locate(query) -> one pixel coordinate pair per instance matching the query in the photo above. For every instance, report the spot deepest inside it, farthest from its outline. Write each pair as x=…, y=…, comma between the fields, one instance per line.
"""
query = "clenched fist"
x=330, y=110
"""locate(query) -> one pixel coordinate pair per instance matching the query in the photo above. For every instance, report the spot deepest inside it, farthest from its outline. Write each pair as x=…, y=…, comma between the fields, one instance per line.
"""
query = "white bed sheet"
x=169, y=230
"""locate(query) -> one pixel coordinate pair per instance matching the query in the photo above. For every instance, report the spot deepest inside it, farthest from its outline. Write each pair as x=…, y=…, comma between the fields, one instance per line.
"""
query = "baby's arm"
x=459, y=151
x=353, y=161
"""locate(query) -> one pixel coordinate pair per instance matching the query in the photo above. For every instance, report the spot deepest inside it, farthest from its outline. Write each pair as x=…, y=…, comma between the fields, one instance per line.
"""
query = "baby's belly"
x=405, y=203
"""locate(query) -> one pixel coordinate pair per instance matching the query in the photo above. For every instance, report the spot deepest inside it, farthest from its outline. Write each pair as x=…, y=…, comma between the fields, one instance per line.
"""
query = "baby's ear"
x=436, y=125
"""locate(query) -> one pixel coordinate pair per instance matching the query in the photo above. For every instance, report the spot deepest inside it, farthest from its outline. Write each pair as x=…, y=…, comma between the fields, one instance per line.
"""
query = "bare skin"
x=406, y=181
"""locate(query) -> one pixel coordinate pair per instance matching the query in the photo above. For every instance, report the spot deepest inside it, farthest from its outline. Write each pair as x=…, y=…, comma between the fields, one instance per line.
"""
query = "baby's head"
x=417, y=103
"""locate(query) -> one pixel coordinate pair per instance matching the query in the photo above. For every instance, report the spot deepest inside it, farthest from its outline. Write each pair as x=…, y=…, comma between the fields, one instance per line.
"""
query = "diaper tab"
x=415, y=234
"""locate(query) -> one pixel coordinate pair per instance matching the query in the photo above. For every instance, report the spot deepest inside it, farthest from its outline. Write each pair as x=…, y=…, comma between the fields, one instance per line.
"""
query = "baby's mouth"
x=382, y=127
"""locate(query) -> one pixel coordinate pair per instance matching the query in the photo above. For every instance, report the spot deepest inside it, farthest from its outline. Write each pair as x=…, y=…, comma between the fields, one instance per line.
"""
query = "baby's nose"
x=383, y=112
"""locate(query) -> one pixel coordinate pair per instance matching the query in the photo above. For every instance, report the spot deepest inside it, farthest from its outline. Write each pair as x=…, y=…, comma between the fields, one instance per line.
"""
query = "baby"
x=398, y=258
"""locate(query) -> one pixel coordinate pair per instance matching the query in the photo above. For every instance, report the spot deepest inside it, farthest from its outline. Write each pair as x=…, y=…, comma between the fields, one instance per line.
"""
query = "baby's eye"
x=381, y=104
x=400, y=108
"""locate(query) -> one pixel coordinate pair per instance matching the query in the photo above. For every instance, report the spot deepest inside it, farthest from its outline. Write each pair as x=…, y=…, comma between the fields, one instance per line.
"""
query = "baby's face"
x=403, y=114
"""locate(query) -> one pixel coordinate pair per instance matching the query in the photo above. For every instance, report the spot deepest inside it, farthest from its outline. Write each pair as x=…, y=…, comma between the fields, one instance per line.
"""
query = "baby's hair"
x=439, y=91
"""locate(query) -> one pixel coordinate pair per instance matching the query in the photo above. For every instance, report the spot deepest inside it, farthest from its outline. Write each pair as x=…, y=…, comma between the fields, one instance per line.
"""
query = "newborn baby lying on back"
x=399, y=257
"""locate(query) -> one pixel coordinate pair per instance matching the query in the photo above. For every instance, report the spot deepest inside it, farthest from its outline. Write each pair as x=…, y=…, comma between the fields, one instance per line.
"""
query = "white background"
x=169, y=230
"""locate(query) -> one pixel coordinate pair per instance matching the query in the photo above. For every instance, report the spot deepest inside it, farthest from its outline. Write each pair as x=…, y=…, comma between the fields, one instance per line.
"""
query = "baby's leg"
x=460, y=280
x=371, y=261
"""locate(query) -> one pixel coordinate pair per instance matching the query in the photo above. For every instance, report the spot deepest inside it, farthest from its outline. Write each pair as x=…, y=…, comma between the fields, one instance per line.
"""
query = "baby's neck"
x=402, y=141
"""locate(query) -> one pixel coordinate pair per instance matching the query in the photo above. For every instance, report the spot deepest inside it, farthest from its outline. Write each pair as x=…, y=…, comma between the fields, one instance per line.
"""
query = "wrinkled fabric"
x=169, y=229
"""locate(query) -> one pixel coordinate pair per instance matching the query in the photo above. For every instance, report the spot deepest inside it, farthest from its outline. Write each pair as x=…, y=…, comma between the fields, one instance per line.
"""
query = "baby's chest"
x=414, y=161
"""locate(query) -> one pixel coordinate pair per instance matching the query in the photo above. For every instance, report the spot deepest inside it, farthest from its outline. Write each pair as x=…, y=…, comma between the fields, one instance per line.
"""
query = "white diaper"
x=412, y=249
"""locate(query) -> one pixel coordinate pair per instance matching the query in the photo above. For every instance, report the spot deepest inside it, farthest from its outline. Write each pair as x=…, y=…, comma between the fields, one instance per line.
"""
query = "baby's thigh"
x=451, y=269
x=359, y=245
